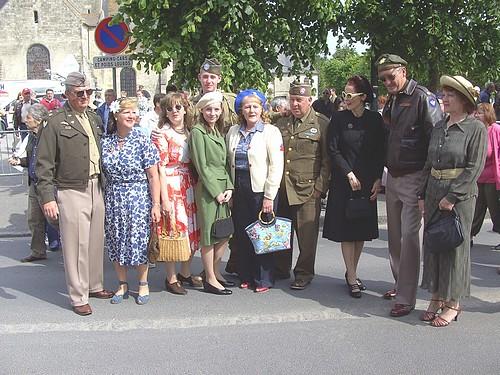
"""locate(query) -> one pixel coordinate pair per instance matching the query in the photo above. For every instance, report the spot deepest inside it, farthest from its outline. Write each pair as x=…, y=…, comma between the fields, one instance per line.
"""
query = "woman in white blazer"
x=255, y=150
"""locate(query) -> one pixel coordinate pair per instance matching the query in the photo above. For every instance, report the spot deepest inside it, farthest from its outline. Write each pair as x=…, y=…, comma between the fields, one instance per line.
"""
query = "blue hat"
x=243, y=94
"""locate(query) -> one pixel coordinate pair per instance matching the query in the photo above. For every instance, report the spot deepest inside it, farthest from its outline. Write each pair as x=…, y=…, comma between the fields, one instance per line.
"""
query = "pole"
x=114, y=82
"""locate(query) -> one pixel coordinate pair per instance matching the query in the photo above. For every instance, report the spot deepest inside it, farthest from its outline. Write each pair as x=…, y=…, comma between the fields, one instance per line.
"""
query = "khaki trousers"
x=403, y=225
x=81, y=224
x=305, y=219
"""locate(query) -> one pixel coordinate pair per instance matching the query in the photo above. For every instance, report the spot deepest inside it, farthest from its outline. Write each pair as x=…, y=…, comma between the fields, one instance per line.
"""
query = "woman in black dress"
x=356, y=144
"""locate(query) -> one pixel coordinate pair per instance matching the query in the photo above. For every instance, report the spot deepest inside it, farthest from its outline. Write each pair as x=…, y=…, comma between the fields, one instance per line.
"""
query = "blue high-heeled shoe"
x=142, y=300
x=118, y=298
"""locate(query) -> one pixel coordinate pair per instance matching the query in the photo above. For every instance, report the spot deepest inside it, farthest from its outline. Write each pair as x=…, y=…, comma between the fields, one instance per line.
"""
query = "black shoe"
x=192, y=281
x=299, y=284
x=360, y=283
x=355, y=291
x=209, y=288
x=227, y=283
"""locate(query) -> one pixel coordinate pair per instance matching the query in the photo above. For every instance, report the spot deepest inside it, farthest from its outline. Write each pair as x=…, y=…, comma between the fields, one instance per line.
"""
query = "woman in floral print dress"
x=131, y=196
x=177, y=185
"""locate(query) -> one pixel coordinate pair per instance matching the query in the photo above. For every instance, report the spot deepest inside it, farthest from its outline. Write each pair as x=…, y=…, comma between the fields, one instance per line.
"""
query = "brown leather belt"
x=446, y=174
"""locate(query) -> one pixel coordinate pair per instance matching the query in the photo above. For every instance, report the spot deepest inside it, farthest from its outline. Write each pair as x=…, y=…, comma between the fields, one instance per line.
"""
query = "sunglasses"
x=80, y=94
x=389, y=77
x=177, y=107
x=349, y=96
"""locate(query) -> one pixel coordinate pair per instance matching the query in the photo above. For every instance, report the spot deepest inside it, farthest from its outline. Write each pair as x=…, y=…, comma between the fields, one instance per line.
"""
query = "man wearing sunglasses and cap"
x=69, y=184
x=410, y=114
x=305, y=179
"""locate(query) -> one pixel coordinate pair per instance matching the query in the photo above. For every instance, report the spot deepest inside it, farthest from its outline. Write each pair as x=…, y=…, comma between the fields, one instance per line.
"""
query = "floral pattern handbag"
x=270, y=236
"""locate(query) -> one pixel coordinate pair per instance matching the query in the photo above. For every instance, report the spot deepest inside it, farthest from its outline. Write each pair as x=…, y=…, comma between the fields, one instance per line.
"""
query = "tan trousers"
x=305, y=219
x=403, y=225
x=36, y=223
x=81, y=224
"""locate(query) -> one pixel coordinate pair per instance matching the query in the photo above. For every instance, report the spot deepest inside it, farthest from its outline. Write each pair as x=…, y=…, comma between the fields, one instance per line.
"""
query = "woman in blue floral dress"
x=131, y=196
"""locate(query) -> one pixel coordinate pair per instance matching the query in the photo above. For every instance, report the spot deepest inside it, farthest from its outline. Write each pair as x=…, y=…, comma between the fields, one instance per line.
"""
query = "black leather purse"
x=444, y=234
x=222, y=227
x=358, y=208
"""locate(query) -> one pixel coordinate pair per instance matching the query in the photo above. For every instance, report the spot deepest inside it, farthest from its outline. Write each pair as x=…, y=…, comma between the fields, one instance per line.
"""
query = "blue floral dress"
x=127, y=197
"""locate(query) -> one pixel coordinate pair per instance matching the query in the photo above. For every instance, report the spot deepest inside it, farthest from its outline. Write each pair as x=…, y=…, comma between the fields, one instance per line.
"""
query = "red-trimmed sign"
x=111, y=39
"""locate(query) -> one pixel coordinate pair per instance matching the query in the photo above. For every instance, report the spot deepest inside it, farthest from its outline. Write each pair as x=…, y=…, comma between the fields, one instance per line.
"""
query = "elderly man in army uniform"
x=69, y=184
x=305, y=179
x=410, y=114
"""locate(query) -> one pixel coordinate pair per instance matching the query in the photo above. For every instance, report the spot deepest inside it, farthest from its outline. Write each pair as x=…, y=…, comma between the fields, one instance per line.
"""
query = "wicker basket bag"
x=174, y=246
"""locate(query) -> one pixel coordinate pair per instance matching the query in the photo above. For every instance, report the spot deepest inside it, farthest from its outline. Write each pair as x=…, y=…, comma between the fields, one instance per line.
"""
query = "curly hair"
x=124, y=103
x=171, y=100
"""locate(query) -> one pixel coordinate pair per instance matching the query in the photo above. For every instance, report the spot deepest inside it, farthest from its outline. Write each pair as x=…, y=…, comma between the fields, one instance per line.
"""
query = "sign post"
x=111, y=39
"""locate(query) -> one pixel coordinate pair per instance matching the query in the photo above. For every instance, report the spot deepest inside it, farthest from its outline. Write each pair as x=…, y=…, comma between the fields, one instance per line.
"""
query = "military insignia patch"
x=432, y=102
x=302, y=91
x=350, y=126
x=314, y=130
x=206, y=66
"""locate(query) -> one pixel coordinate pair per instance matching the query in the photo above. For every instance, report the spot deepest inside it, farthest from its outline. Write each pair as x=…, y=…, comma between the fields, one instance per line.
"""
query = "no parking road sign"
x=111, y=39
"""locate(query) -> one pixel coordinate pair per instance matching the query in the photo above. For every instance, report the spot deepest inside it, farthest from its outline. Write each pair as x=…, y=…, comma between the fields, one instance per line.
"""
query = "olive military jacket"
x=307, y=164
x=63, y=152
x=230, y=116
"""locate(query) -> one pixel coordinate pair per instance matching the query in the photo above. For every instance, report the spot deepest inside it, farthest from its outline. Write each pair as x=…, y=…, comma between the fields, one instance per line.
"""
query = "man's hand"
x=445, y=205
x=51, y=211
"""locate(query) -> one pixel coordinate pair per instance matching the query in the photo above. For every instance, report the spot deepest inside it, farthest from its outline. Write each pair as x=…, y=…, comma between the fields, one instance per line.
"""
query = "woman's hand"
x=445, y=205
x=227, y=195
x=220, y=198
x=267, y=205
x=375, y=189
x=155, y=214
x=14, y=161
x=166, y=207
x=353, y=181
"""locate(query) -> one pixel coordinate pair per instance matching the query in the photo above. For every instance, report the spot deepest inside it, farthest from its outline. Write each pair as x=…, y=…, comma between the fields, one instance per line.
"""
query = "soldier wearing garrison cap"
x=410, y=114
x=69, y=162
x=305, y=179
x=210, y=76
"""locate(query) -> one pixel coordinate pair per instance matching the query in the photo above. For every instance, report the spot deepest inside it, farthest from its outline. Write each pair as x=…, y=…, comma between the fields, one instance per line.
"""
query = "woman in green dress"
x=457, y=151
x=214, y=187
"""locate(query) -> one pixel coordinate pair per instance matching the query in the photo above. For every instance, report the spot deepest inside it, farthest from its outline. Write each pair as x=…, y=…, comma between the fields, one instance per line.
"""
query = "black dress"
x=354, y=145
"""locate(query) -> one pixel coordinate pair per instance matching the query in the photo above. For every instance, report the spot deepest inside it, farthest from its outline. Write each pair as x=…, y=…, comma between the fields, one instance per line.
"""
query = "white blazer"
x=265, y=158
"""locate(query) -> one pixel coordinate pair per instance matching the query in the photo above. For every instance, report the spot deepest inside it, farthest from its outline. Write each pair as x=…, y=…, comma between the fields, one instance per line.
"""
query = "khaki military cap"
x=301, y=89
x=77, y=79
x=388, y=61
x=211, y=66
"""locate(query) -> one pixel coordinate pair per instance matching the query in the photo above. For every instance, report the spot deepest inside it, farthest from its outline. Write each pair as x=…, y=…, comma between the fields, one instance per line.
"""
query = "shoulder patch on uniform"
x=432, y=101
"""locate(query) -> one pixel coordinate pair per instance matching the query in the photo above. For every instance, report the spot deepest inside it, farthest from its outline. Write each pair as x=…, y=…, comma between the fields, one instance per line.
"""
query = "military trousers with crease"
x=81, y=224
x=404, y=222
x=305, y=219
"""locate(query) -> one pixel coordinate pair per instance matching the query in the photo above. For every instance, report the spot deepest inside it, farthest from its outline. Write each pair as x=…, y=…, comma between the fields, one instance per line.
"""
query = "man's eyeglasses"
x=349, y=96
x=178, y=107
x=389, y=77
x=81, y=93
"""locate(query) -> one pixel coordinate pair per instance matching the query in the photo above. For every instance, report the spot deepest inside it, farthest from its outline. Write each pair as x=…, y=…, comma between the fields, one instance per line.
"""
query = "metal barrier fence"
x=10, y=142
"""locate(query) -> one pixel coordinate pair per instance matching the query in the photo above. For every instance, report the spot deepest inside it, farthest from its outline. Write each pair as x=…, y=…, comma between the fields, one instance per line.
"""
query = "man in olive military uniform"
x=410, y=114
x=305, y=179
x=210, y=76
x=69, y=185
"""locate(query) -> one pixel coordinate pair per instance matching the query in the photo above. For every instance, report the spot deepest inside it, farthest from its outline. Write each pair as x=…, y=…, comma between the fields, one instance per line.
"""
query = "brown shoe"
x=175, y=288
x=103, y=294
x=400, y=310
x=300, y=284
x=390, y=294
x=82, y=310
x=193, y=281
x=32, y=258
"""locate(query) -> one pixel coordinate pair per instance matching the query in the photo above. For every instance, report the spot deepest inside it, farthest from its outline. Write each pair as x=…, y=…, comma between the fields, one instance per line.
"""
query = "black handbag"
x=445, y=233
x=358, y=208
x=222, y=227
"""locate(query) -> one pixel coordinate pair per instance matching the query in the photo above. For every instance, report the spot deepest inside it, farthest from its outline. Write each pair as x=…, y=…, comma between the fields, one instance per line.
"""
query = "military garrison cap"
x=388, y=61
x=301, y=89
x=77, y=79
x=211, y=66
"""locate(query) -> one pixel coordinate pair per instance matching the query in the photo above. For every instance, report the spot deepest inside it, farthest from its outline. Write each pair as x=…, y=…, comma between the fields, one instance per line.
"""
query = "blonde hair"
x=264, y=115
x=124, y=103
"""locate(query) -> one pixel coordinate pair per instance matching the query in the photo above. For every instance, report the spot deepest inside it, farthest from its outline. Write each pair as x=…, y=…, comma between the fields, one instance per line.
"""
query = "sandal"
x=118, y=298
x=438, y=321
x=354, y=290
x=390, y=294
x=429, y=315
x=142, y=299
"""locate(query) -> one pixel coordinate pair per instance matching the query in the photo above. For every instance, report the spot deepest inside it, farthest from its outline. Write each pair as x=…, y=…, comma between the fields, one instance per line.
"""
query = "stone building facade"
x=43, y=39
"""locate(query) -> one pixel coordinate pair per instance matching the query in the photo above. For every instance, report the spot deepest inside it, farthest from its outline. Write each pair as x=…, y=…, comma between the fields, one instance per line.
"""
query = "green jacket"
x=307, y=164
x=63, y=152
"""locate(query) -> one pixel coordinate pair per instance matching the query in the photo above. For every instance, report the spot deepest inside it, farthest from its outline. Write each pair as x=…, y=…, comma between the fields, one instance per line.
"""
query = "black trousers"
x=252, y=268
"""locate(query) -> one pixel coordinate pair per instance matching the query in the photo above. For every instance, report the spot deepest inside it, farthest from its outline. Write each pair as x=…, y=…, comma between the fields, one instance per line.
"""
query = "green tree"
x=246, y=36
x=435, y=37
x=345, y=62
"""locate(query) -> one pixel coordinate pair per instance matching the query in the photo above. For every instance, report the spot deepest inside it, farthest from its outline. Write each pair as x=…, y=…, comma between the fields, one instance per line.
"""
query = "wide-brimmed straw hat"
x=460, y=84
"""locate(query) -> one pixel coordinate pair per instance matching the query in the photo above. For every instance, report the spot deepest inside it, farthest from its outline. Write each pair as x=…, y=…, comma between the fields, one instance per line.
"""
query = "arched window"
x=128, y=81
x=38, y=62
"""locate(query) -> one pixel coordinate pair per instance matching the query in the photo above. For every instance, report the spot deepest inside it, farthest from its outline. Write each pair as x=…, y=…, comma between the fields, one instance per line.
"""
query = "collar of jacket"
x=214, y=136
x=409, y=88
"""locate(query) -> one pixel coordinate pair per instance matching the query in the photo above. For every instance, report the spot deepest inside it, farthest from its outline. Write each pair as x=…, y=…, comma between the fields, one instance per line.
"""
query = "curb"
x=15, y=234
